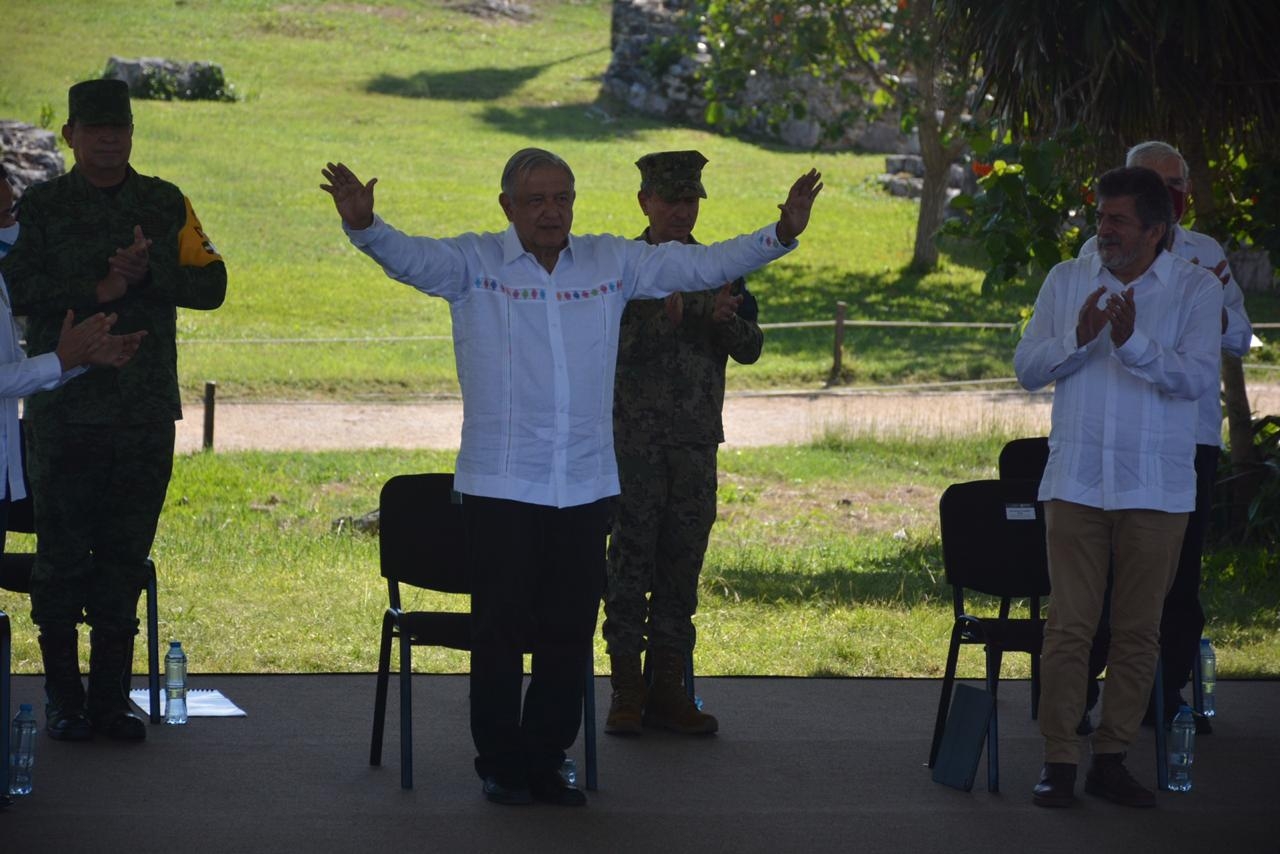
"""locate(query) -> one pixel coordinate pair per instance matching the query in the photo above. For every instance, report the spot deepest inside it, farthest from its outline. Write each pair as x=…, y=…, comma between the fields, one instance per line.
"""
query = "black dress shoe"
x=1057, y=785
x=497, y=792
x=1109, y=779
x=68, y=726
x=121, y=726
x=550, y=788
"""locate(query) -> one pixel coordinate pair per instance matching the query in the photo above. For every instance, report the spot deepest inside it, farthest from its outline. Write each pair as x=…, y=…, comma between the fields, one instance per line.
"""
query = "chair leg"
x=688, y=677
x=1162, y=755
x=944, y=702
x=589, y=722
x=406, y=711
x=1035, y=686
x=994, y=656
x=1197, y=684
x=153, y=645
x=6, y=654
x=380, y=692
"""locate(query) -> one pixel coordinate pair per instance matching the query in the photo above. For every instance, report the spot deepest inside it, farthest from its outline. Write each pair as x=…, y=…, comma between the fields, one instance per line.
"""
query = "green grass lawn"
x=826, y=558
x=825, y=561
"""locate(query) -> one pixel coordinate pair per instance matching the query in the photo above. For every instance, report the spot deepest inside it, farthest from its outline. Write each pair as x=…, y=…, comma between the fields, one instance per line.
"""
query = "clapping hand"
x=90, y=342
x=1091, y=319
x=726, y=304
x=1123, y=313
x=353, y=199
x=126, y=268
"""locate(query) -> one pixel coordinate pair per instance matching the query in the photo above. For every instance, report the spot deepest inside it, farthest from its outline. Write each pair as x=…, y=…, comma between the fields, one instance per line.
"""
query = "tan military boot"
x=627, y=704
x=669, y=705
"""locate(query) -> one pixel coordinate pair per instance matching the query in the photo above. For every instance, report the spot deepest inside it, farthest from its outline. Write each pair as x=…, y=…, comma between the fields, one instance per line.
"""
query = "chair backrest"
x=993, y=538
x=1024, y=459
x=421, y=538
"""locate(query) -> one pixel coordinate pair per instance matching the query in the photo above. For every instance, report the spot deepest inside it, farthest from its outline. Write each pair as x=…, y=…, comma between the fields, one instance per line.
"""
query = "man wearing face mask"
x=1183, y=619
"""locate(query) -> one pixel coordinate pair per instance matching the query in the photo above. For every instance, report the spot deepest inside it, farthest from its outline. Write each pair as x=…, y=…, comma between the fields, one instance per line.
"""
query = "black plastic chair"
x=421, y=544
x=993, y=542
x=1024, y=459
x=15, y=575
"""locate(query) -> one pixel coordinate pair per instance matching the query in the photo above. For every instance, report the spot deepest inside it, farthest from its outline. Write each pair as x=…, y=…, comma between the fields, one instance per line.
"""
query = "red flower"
x=981, y=169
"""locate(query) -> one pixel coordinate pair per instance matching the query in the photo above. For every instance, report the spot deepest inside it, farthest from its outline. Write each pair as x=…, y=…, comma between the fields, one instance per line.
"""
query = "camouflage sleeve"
x=195, y=277
x=742, y=339
x=32, y=289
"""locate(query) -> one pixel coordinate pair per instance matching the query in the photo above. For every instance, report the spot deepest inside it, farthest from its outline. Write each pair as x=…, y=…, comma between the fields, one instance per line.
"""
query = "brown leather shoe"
x=1109, y=779
x=1057, y=785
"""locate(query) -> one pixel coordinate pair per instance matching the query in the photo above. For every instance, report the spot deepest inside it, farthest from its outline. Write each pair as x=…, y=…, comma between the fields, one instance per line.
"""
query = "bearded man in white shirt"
x=1182, y=621
x=536, y=312
x=1131, y=337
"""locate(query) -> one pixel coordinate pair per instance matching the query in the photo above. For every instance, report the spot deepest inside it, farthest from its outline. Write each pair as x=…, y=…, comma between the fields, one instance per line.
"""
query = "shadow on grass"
x=908, y=577
x=473, y=84
x=584, y=122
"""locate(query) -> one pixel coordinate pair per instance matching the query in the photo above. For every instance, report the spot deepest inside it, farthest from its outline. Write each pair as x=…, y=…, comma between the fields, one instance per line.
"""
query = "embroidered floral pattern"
x=485, y=283
x=591, y=293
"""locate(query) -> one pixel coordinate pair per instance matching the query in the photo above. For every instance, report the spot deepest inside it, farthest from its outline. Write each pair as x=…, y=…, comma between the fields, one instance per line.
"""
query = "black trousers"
x=1182, y=620
x=537, y=576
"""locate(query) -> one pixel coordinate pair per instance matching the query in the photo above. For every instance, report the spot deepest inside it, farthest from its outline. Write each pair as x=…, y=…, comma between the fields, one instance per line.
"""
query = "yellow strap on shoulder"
x=194, y=247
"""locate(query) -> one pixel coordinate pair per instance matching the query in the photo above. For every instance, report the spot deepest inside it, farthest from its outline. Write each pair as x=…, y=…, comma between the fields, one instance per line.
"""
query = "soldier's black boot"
x=110, y=662
x=64, y=694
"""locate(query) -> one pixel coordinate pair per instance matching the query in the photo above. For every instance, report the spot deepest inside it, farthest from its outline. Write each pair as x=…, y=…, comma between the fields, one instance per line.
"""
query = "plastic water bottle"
x=1208, y=676
x=569, y=771
x=1182, y=750
x=175, y=684
x=22, y=751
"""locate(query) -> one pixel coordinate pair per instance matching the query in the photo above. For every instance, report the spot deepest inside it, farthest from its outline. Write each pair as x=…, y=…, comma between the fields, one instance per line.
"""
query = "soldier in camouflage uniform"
x=102, y=238
x=668, y=395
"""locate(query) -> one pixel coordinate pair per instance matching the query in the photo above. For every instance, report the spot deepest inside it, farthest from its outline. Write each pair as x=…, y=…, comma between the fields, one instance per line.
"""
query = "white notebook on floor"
x=201, y=703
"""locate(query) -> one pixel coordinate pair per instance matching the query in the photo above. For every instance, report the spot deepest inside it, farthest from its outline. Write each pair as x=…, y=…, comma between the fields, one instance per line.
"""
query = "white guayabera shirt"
x=1203, y=250
x=1123, y=429
x=536, y=351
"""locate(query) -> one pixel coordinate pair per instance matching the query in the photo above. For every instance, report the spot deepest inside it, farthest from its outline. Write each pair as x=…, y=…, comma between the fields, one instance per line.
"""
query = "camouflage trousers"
x=98, y=492
x=662, y=521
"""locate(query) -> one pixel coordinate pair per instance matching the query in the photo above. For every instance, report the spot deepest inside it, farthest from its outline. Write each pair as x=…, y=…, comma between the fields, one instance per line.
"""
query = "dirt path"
x=751, y=419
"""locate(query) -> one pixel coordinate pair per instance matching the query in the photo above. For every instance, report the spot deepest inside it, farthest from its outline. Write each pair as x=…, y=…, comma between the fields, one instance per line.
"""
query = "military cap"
x=99, y=102
x=672, y=174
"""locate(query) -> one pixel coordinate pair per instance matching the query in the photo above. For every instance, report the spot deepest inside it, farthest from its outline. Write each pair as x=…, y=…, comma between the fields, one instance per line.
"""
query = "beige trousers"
x=1083, y=543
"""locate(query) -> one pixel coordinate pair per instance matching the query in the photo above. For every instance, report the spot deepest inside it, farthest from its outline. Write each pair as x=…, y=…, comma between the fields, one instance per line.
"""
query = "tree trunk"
x=937, y=167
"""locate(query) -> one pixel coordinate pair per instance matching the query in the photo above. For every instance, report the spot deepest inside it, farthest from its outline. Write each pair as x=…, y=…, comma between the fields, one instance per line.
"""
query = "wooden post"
x=837, y=357
x=210, y=390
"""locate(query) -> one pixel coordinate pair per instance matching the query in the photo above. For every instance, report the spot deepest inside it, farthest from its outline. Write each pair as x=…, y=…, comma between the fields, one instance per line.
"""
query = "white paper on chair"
x=201, y=703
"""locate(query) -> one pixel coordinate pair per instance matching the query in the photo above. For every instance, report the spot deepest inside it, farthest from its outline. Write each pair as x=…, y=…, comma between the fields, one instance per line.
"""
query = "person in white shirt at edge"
x=1130, y=336
x=535, y=315
x=79, y=345
x=1183, y=618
